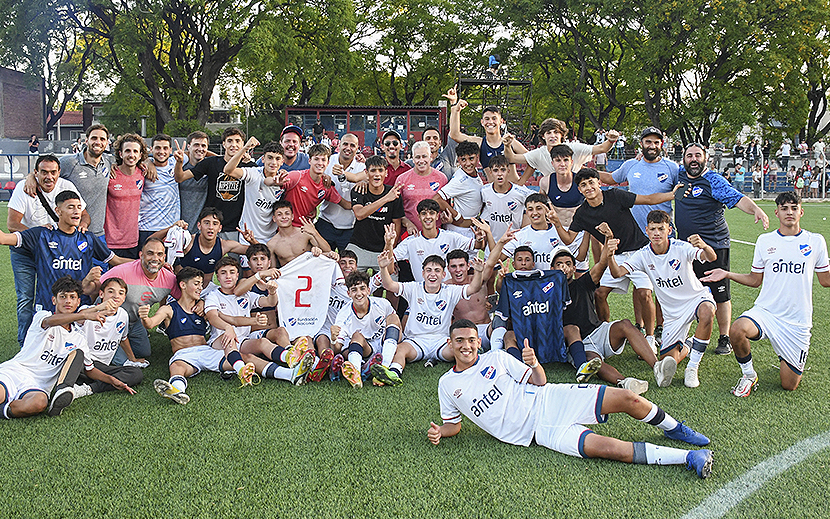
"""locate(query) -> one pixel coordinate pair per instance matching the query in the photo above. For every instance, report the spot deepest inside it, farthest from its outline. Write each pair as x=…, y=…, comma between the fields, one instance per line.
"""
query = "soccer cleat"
x=303, y=369
x=386, y=375
x=664, y=371
x=63, y=397
x=297, y=351
x=745, y=386
x=640, y=328
x=686, y=434
x=246, y=374
x=700, y=461
x=168, y=390
x=81, y=390
x=691, y=379
x=723, y=348
x=352, y=374
x=653, y=345
x=336, y=366
x=376, y=360
x=636, y=385
x=322, y=365
x=587, y=370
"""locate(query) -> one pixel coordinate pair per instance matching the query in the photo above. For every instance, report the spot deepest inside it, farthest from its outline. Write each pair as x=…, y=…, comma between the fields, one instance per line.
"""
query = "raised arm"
x=749, y=207
x=708, y=252
x=385, y=262
x=610, y=249
x=164, y=313
x=246, y=284
x=512, y=156
x=610, y=139
x=475, y=283
x=567, y=236
x=232, y=167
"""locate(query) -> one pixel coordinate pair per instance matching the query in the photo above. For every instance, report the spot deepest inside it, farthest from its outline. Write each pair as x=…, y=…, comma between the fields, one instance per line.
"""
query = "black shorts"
x=720, y=289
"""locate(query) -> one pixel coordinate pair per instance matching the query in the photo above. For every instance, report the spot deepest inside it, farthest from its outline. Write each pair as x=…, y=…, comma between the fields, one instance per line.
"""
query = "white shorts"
x=254, y=335
x=599, y=341
x=17, y=381
x=427, y=348
x=200, y=358
x=620, y=285
x=482, y=334
x=676, y=326
x=790, y=343
x=564, y=410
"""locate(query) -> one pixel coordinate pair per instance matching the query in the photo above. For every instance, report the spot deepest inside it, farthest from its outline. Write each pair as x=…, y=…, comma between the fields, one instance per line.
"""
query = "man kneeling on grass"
x=496, y=391
x=54, y=352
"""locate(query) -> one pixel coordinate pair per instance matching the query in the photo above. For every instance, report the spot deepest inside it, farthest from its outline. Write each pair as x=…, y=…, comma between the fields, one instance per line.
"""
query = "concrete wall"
x=21, y=105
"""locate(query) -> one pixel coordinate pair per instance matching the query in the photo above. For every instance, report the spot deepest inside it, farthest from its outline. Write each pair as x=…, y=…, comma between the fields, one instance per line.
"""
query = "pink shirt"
x=305, y=195
x=123, y=200
x=142, y=290
x=415, y=188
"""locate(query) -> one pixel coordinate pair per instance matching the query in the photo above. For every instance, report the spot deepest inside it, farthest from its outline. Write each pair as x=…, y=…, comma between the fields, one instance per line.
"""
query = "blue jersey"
x=58, y=254
x=487, y=152
x=534, y=302
x=646, y=178
x=701, y=211
x=183, y=323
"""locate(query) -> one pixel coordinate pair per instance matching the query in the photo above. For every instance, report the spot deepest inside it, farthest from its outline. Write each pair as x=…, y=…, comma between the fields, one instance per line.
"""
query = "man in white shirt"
x=336, y=224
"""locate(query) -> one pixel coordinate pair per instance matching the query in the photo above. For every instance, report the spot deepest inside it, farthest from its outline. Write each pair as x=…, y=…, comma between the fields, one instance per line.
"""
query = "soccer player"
x=291, y=241
x=461, y=196
x=370, y=327
x=103, y=340
x=306, y=190
x=496, y=392
x=668, y=263
x=55, y=352
x=784, y=263
x=503, y=201
x=431, y=304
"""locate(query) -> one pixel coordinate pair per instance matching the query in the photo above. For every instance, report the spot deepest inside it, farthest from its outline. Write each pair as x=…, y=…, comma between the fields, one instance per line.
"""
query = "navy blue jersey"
x=701, y=211
x=183, y=323
x=58, y=254
x=487, y=152
x=534, y=301
x=197, y=259
x=570, y=198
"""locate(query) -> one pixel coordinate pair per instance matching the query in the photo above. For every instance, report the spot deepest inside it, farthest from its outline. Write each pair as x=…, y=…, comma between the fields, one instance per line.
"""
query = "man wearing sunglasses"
x=395, y=167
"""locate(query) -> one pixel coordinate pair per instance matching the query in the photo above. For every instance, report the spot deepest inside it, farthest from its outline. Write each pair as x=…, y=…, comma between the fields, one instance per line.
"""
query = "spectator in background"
x=718, y=157
x=783, y=154
x=33, y=144
x=317, y=131
x=757, y=177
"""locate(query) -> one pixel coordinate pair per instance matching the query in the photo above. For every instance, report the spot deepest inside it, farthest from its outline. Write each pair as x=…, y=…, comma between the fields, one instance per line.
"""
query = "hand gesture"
x=605, y=230
x=477, y=264
x=327, y=182
x=316, y=251
x=507, y=139
x=528, y=355
x=445, y=217
x=94, y=275
x=713, y=276
x=385, y=259
x=261, y=319
x=696, y=240
x=360, y=157
x=393, y=193
x=144, y=311
x=337, y=169
x=552, y=217
x=307, y=227
x=179, y=153
x=251, y=144
x=612, y=135
x=434, y=433
x=389, y=234
x=335, y=331
x=508, y=235
x=246, y=233
x=452, y=95
x=611, y=245
x=481, y=224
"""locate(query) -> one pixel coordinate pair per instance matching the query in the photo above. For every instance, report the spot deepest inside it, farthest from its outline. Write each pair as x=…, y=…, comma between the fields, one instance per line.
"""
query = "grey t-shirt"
x=92, y=185
x=192, y=196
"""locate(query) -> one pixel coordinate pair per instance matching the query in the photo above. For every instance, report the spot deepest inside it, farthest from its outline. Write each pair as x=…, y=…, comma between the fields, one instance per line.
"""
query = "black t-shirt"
x=224, y=192
x=318, y=129
x=368, y=233
x=581, y=311
x=615, y=210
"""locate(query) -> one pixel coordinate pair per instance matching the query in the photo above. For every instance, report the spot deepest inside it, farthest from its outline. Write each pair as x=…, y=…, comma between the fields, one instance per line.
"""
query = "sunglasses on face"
x=391, y=143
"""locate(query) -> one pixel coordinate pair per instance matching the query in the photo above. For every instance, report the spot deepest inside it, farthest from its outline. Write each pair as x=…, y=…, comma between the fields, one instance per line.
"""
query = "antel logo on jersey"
x=517, y=294
x=441, y=304
x=512, y=204
x=489, y=372
x=670, y=283
x=788, y=267
x=62, y=263
x=805, y=249
x=547, y=287
x=434, y=186
x=696, y=191
x=487, y=399
x=675, y=264
x=535, y=307
x=662, y=177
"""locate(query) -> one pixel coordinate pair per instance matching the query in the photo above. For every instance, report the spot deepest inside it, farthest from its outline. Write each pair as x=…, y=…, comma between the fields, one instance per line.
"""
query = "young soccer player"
x=503, y=202
x=784, y=263
x=103, y=340
x=431, y=304
x=54, y=353
x=510, y=400
x=668, y=263
x=461, y=196
x=306, y=190
x=291, y=241
x=370, y=327
x=600, y=339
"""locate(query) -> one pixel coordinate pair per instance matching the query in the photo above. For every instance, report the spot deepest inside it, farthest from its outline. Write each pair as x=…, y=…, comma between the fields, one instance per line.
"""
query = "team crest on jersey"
x=675, y=264
x=184, y=320
x=138, y=183
x=321, y=193
x=444, y=247
x=554, y=241
x=547, y=288
x=517, y=294
x=512, y=204
x=662, y=177
x=119, y=326
x=292, y=321
x=379, y=319
x=434, y=186
x=82, y=246
x=197, y=258
x=69, y=346
x=489, y=372
x=242, y=302
x=696, y=191
x=53, y=245
x=441, y=304
x=457, y=393
x=805, y=249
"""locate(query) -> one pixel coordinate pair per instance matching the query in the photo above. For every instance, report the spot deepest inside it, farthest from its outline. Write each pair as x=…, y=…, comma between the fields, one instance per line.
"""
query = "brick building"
x=22, y=108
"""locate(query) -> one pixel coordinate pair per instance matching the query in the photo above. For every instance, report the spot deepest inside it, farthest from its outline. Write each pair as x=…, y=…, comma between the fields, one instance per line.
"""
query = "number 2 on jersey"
x=297, y=302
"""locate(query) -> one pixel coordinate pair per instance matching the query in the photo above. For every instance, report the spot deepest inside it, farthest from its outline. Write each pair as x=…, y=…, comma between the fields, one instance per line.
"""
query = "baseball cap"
x=292, y=128
x=651, y=130
x=393, y=133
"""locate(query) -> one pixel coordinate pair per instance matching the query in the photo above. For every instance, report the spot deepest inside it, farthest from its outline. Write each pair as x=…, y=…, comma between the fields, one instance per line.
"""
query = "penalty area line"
x=731, y=495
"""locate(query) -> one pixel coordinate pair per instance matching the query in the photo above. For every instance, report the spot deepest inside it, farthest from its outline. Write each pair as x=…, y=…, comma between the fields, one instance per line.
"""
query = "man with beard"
x=192, y=192
x=701, y=212
x=159, y=206
x=147, y=283
x=294, y=159
x=395, y=167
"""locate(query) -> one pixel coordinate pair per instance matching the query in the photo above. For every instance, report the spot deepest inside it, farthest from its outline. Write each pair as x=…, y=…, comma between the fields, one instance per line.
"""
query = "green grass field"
x=324, y=450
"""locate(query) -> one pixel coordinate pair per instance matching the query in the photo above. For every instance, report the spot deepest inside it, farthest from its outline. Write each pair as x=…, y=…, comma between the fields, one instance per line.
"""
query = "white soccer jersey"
x=417, y=248
x=493, y=394
x=44, y=351
x=544, y=243
x=465, y=193
x=503, y=209
x=671, y=274
x=338, y=299
x=334, y=214
x=103, y=339
x=788, y=263
x=372, y=325
x=257, y=212
x=232, y=305
x=430, y=315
